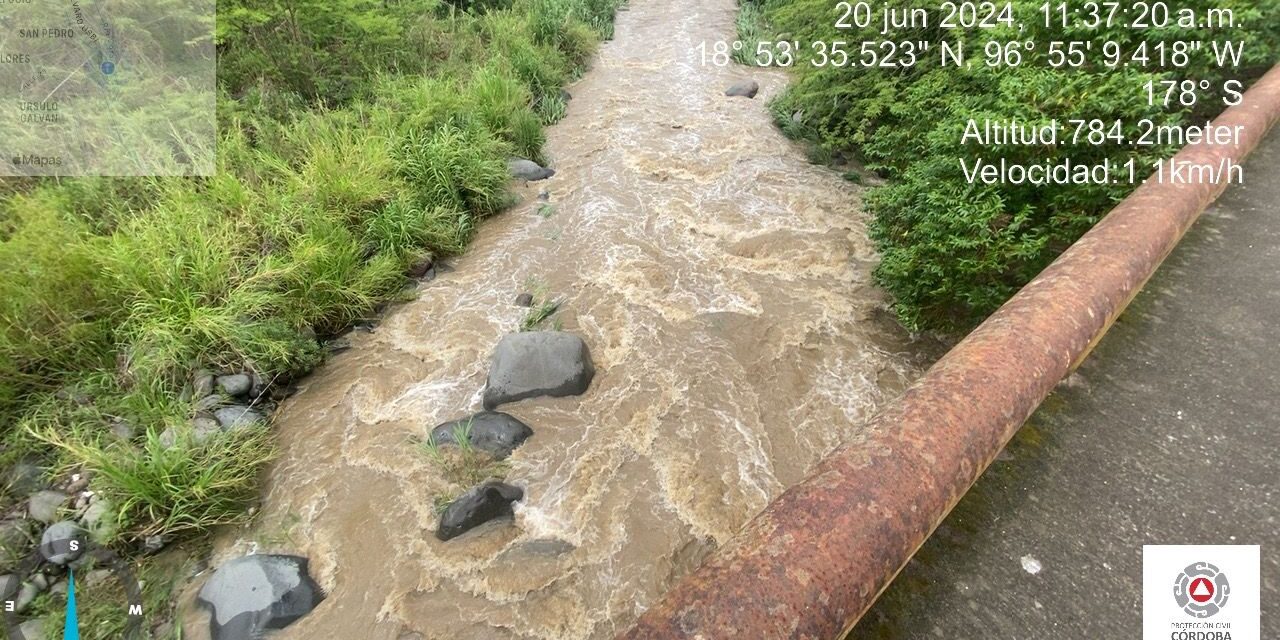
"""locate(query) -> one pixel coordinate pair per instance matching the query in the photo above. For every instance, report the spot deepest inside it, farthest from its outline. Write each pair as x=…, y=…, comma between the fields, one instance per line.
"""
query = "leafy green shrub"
x=323, y=50
x=953, y=252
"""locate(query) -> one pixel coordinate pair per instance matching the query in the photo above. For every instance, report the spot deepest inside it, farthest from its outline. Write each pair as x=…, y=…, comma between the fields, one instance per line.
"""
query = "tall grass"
x=175, y=491
x=752, y=30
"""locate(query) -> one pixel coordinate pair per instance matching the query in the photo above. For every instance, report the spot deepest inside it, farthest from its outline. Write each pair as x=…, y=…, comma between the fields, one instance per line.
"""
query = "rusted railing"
x=820, y=554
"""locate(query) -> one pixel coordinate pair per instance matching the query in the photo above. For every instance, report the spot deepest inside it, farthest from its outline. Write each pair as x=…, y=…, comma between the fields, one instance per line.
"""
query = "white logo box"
x=1228, y=608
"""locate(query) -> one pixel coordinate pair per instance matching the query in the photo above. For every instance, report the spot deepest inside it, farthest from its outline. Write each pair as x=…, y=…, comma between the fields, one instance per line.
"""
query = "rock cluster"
x=53, y=513
x=524, y=365
x=50, y=512
x=36, y=557
x=223, y=403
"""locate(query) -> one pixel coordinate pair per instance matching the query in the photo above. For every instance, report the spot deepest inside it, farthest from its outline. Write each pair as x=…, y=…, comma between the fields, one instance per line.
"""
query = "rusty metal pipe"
x=821, y=553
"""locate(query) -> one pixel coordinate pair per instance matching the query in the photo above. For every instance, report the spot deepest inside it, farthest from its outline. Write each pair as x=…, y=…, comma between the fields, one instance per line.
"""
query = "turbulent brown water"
x=723, y=285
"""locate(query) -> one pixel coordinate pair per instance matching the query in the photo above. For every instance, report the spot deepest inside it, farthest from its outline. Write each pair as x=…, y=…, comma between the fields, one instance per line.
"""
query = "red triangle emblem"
x=1201, y=590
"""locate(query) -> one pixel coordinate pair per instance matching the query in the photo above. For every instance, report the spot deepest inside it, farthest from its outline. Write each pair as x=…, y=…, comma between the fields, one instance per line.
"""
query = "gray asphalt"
x=1168, y=434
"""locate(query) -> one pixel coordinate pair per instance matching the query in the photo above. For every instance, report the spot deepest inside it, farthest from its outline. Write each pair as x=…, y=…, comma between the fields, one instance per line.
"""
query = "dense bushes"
x=953, y=252
x=357, y=139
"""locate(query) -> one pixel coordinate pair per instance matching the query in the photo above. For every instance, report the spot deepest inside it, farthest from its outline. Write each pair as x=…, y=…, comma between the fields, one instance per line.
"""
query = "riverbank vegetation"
x=358, y=142
x=952, y=251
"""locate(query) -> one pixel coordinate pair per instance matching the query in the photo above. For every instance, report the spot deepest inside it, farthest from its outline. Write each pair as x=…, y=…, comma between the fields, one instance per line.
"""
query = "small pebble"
x=1031, y=565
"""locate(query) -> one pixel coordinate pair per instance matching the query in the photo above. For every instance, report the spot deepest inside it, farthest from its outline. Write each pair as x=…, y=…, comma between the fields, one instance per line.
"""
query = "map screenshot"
x=107, y=88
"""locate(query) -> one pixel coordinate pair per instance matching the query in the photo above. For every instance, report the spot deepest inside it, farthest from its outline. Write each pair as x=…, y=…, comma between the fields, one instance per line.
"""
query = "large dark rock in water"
x=538, y=363
x=480, y=504
x=743, y=89
x=252, y=594
x=522, y=169
x=493, y=432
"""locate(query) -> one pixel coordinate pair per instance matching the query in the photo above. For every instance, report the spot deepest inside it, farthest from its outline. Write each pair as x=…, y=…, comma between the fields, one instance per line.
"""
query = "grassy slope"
x=357, y=138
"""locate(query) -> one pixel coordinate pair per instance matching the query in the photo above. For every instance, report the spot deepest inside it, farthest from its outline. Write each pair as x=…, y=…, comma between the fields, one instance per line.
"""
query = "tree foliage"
x=954, y=251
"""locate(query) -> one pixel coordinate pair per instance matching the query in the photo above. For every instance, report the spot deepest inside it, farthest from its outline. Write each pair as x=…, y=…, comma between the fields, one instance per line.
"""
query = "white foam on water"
x=722, y=284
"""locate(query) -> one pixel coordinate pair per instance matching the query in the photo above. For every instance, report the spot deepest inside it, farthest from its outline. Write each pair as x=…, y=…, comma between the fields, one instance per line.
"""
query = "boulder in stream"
x=743, y=89
x=480, y=504
x=522, y=169
x=538, y=363
x=249, y=595
x=493, y=432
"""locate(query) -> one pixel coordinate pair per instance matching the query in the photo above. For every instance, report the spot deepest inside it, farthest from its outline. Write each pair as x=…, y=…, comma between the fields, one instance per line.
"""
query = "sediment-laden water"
x=723, y=285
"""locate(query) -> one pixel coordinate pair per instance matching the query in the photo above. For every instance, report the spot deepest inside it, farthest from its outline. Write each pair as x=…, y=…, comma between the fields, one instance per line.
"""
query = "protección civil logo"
x=1201, y=592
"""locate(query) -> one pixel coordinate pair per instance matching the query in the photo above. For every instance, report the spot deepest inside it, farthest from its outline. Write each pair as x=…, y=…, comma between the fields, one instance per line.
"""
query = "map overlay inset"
x=107, y=87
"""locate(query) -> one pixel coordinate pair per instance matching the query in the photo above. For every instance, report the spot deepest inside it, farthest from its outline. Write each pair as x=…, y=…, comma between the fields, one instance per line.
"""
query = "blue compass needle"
x=71, y=629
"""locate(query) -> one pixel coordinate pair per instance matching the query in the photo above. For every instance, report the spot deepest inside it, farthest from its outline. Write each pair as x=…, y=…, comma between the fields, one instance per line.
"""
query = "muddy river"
x=723, y=284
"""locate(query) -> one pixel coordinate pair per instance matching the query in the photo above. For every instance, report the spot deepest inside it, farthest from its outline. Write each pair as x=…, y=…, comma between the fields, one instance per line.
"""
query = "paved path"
x=1169, y=434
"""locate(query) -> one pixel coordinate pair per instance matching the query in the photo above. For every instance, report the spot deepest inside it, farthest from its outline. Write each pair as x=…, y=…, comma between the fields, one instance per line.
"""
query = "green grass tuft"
x=752, y=30
x=539, y=314
x=542, y=309
x=462, y=466
x=177, y=491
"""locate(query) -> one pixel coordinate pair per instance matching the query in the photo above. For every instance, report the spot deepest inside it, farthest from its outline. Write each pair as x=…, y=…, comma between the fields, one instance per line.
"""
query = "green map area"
x=107, y=87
